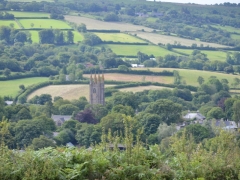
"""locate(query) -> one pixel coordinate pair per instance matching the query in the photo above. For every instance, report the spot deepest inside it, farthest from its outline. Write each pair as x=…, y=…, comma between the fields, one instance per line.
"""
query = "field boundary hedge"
x=125, y=43
x=38, y=29
x=137, y=72
x=104, y=30
x=32, y=17
x=19, y=76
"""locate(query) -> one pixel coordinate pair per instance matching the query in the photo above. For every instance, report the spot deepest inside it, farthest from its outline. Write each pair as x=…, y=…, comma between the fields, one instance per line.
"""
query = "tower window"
x=94, y=90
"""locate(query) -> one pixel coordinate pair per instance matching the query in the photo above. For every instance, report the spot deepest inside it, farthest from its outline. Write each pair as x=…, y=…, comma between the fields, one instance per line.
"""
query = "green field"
x=212, y=55
x=118, y=37
x=8, y=22
x=44, y=23
x=132, y=50
x=11, y=87
x=152, y=19
x=190, y=76
x=77, y=36
x=28, y=14
x=227, y=28
x=35, y=36
x=235, y=36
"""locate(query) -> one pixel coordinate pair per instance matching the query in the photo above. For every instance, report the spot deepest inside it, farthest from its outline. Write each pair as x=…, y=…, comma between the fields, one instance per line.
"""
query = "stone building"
x=96, y=89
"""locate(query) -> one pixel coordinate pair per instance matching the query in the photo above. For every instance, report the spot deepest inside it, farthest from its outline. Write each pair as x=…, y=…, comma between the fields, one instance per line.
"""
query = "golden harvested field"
x=96, y=24
x=142, y=88
x=164, y=39
x=136, y=78
x=69, y=92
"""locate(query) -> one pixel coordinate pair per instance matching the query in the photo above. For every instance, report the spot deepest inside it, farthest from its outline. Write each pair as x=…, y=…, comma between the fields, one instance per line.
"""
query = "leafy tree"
x=20, y=37
x=198, y=132
x=177, y=77
x=67, y=109
x=82, y=28
x=126, y=99
x=216, y=113
x=127, y=110
x=123, y=68
x=22, y=87
x=168, y=111
x=236, y=111
x=165, y=131
x=24, y=113
x=111, y=17
x=113, y=121
x=70, y=37
x=65, y=136
x=6, y=72
x=42, y=142
x=46, y=36
x=200, y=80
x=86, y=116
x=150, y=123
x=91, y=39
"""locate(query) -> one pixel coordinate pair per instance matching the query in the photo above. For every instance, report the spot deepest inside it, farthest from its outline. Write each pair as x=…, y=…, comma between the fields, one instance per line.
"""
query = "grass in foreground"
x=118, y=37
x=132, y=50
x=190, y=76
x=8, y=22
x=28, y=14
x=11, y=87
x=44, y=23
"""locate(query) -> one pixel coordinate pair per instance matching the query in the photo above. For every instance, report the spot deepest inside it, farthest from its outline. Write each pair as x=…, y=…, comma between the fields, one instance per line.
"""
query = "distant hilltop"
x=209, y=2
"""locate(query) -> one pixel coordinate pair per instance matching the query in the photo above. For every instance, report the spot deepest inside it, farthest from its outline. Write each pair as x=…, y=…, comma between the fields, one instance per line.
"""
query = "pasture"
x=227, y=28
x=11, y=87
x=190, y=76
x=235, y=36
x=212, y=55
x=135, y=78
x=164, y=39
x=118, y=37
x=132, y=50
x=28, y=14
x=96, y=24
x=77, y=36
x=34, y=36
x=8, y=22
x=44, y=23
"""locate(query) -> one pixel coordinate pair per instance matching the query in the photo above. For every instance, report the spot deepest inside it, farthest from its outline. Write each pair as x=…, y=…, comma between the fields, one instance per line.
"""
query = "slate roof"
x=59, y=119
x=226, y=124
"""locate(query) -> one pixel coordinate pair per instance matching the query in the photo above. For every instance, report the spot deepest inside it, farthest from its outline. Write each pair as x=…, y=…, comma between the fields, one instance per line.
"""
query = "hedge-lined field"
x=77, y=36
x=118, y=37
x=44, y=23
x=227, y=28
x=136, y=78
x=132, y=50
x=8, y=22
x=190, y=76
x=235, y=36
x=28, y=14
x=212, y=55
x=11, y=87
x=69, y=92
x=34, y=36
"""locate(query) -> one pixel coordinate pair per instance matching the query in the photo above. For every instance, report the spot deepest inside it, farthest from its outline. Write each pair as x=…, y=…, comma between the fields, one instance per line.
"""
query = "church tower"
x=96, y=88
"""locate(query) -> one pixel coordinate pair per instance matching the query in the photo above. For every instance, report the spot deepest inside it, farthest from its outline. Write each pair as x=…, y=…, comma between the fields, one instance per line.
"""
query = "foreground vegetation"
x=178, y=157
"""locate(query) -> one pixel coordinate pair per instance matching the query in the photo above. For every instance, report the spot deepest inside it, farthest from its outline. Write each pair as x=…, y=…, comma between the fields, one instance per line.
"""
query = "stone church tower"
x=96, y=88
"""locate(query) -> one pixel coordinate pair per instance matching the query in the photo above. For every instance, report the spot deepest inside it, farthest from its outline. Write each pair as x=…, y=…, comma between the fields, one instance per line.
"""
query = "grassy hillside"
x=28, y=14
x=11, y=87
x=8, y=22
x=212, y=55
x=44, y=23
x=190, y=76
x=132, y=50
x=118, y=37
